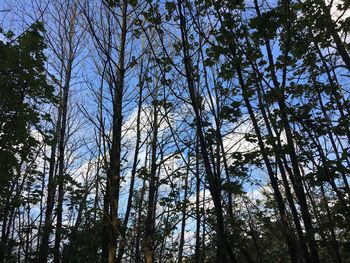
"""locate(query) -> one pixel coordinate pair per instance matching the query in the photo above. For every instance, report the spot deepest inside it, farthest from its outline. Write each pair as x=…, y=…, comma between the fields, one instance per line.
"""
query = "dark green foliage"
x=24, y=92
x=84, y=245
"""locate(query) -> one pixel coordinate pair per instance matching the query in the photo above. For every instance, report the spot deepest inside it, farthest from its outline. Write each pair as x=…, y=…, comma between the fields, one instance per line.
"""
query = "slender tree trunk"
x=224, y=252
x=290, y=144
x=133, y=170
x=51, y=190
x=276, y=147
x=140, y=223
x=274, y=183
x=150, y=220
x=113, y=174
x=299, y=190
x=198, y=214
x=61, y=162
x=184, y=215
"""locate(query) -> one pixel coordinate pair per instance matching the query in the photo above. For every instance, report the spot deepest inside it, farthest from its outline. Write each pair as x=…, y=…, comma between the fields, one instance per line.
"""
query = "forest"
x=187, y=131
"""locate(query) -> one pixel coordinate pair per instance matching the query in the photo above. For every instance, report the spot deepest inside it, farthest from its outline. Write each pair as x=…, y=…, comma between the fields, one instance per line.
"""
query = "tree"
x=181, y=131
x=24, y=92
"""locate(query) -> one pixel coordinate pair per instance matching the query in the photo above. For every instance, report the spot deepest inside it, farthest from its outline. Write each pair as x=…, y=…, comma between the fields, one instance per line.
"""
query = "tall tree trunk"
x=274, y=183
x=276, y=147
x=51, y=190
x=113, y=173
x=133, y=170
x=61, y=160
x=139, y=223
x=184, y=215
x=198, y=214
x=290, y=144
x=224, y=252
x=152, y=185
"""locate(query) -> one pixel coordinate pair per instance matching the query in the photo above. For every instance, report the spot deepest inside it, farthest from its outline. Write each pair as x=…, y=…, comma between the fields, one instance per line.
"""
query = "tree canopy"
x=175, y=131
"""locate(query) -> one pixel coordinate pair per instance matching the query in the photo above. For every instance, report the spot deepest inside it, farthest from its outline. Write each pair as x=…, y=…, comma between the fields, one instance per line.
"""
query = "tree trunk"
x=150, y=220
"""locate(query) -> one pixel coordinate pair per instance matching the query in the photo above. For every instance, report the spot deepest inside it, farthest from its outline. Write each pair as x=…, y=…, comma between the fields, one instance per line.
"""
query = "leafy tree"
x=24, y=92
